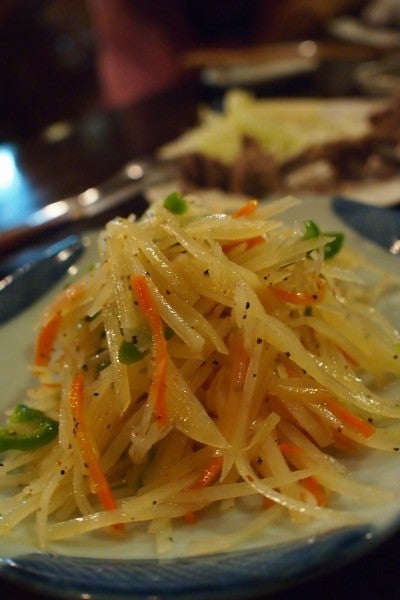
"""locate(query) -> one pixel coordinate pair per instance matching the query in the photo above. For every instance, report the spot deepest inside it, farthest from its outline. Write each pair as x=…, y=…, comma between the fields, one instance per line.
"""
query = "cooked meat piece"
x=385, y=123
x=367, y=157
x=200, y=171
x=349, y=158
x=254, y=172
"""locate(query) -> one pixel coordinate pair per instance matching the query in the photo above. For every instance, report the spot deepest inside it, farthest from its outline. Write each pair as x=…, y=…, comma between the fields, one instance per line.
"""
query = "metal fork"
x=133, y=179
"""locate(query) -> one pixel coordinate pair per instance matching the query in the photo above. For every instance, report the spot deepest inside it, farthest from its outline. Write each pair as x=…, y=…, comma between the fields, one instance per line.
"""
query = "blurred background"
x=62, y=59
x=46, y=65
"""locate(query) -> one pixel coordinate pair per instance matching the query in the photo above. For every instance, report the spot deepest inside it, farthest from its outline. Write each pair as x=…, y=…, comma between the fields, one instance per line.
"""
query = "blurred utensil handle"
x=134, y=178
x=28, y=283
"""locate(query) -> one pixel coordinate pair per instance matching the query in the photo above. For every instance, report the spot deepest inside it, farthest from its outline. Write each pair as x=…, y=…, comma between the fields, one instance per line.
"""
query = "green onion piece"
x=176, y=203
x=333, y=247
x=308, y=311
x=45, y=430
x=311, y=230
x=128, y=353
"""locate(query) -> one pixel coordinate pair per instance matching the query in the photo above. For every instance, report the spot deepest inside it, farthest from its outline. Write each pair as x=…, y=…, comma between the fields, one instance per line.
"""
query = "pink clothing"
x=134, y=57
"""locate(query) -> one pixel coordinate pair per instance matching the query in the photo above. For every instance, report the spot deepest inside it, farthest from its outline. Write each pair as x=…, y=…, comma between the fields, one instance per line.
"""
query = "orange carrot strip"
x=87, y=449
x=316, y=489
x=190, y=517
x=255, y=241
x=66, y=298
x=290, y=449
x=361, y=426
x=349, y=358
x=250, y=243
x=48, y=332
x=207, y=477
x=305, y=298
x=141, y=289
x=310, y=483
x=46, y=339
x=246, y=210
x=210, y=473
x=267, y=502
x=231, y=245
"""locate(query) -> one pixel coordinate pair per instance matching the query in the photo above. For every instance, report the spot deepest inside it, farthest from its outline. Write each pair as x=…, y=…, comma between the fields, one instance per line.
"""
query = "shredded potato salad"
x=207, y=360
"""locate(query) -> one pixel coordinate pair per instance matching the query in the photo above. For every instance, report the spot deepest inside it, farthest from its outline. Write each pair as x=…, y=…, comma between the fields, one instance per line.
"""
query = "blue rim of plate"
x=235, y=574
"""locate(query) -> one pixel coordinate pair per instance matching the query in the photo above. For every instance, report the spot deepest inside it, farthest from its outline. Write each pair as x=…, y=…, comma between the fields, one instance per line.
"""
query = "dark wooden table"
x=97, y=146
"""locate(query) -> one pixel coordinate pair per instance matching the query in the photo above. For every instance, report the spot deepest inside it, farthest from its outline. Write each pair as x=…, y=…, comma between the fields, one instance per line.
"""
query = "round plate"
x=102, y=568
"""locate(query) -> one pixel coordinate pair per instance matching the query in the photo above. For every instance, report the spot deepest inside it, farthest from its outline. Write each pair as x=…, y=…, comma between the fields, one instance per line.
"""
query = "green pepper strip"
x=176, y=203
x=331, y=248
x=45, y=432
x=128, y=353
x=312, y=230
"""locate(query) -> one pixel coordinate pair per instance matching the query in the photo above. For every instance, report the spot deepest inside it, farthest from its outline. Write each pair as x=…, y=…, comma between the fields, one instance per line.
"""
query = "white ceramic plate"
x=249, y=74
x=103, y=568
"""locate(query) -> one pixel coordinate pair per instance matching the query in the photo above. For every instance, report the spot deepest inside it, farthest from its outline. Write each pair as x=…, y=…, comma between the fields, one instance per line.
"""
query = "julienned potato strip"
x=205, y=359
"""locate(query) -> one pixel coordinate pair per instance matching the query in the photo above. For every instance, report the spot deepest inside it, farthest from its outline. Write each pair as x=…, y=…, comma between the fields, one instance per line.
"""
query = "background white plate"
x=358, y=32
